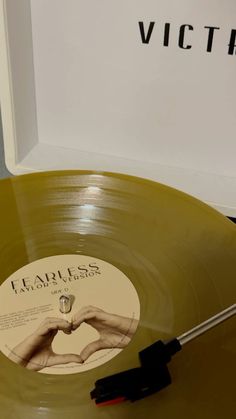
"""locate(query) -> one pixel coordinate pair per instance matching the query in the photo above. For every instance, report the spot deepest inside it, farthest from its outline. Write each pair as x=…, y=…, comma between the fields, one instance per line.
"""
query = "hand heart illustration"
x=35, y=352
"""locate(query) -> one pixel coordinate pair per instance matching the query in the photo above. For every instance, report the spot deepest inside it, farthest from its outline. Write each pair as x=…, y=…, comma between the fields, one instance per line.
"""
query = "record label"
x=66, y=314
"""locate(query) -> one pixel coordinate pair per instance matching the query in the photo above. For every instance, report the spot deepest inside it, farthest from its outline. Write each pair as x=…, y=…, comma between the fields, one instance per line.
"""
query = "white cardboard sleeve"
x=83, y=87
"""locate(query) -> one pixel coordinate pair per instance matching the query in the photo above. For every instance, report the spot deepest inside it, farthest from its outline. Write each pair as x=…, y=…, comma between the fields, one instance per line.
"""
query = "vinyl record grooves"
x=178, y=253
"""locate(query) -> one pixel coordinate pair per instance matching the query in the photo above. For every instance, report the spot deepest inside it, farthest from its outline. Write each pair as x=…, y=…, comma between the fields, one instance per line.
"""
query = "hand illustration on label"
x=115, y=331
x=35, y=352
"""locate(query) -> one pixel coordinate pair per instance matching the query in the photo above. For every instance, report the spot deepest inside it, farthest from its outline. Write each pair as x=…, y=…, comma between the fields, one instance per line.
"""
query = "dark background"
x=3, y=170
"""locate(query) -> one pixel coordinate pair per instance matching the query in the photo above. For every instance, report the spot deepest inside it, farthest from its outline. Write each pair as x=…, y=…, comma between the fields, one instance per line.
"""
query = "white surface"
x=80, y=90
x=17, y=81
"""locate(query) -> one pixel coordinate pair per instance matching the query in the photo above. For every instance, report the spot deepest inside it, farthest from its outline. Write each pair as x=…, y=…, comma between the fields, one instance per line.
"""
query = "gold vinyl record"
x=94, y=268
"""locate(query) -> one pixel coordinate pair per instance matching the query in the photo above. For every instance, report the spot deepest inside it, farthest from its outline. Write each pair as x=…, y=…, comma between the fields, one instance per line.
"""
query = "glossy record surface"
x=181, y=257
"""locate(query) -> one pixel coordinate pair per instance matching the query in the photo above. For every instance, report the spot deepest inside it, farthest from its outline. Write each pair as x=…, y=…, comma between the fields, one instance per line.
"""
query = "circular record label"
x=67, y=314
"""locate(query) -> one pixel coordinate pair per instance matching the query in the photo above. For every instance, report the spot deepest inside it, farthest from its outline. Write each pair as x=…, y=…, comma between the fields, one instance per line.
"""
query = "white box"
x=80, y=89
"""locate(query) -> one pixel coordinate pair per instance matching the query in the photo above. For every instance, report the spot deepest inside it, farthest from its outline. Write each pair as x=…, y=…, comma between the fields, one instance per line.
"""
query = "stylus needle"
x=153, y=375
